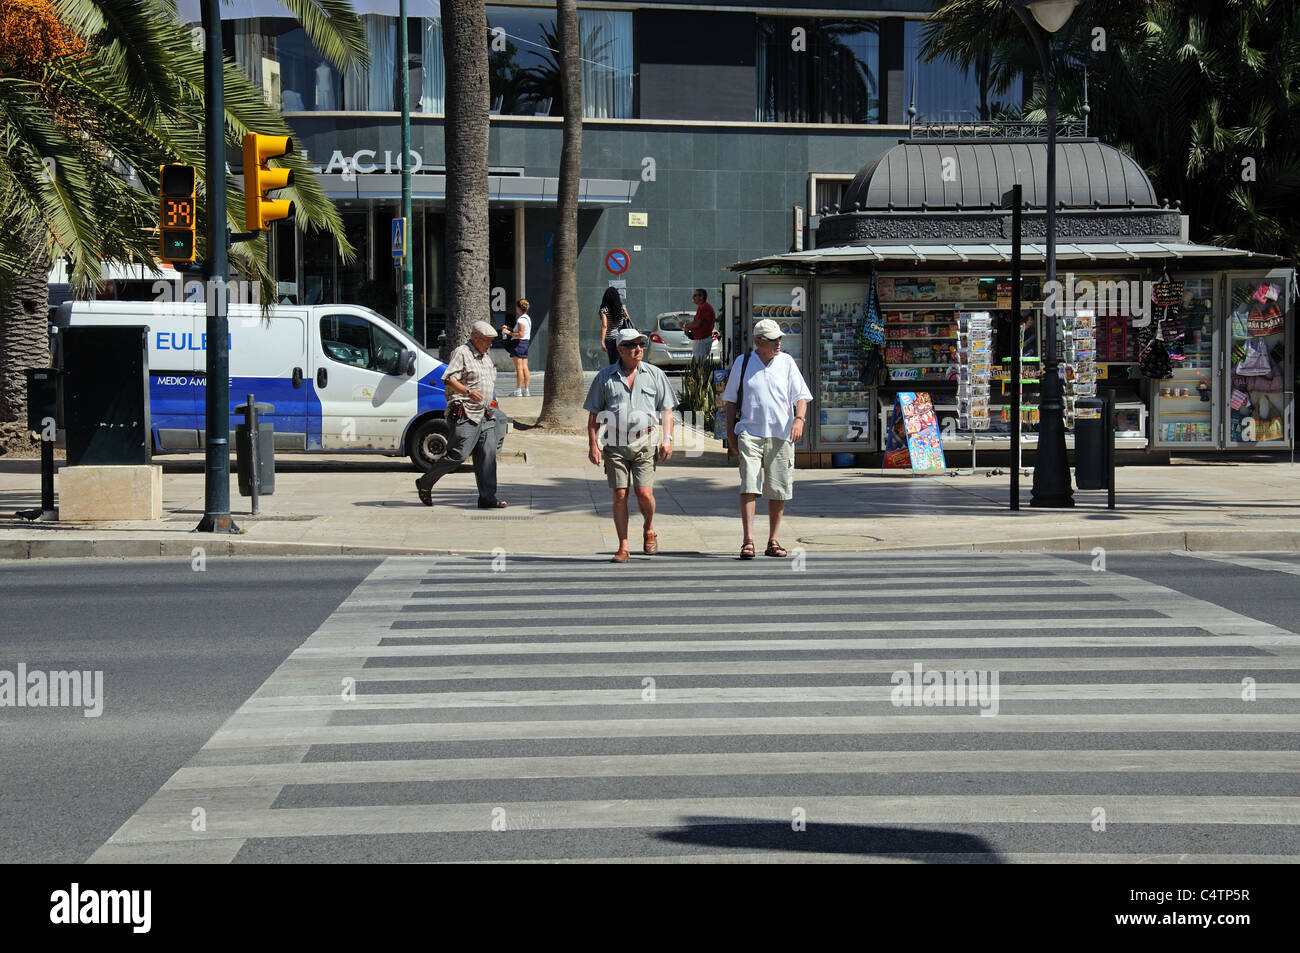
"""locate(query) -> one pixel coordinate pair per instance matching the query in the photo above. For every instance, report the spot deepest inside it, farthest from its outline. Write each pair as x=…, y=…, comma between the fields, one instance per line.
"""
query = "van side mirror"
x=407, y=362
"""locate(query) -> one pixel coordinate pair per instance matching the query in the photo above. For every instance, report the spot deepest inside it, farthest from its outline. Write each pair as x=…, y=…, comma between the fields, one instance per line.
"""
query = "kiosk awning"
x=962, y=253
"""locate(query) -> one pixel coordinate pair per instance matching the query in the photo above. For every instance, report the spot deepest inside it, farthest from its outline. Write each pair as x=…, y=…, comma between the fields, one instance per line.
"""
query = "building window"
x=276, y=55
x=525, y=74
x=823, y=75
x=944, y=92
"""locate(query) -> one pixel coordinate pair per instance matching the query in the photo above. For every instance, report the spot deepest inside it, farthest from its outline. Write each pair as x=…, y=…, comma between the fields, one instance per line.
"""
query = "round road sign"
x=617, y=261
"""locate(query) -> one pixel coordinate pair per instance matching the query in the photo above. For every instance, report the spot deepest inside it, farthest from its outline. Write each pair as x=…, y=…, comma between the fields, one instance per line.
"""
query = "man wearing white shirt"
x=766, y=405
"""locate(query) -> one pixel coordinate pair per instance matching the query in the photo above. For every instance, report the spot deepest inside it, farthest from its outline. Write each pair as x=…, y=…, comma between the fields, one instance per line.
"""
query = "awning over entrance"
x=959, y=253
x=523, y=191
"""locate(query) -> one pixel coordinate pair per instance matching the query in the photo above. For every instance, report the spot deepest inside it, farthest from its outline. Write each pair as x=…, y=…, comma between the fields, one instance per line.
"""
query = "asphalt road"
x=180, y=651
x=510, y=717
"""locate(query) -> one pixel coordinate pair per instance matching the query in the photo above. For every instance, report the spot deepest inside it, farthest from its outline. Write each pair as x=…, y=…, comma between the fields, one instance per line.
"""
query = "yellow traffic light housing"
x=177, y=217
x=260, y=179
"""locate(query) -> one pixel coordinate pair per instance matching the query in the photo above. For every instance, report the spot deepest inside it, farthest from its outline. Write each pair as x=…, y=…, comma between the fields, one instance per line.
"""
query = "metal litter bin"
x=265, y=451
x=1090, y=436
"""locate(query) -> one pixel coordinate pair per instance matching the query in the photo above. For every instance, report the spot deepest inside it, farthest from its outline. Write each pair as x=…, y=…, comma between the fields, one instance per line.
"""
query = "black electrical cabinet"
x=105, y=380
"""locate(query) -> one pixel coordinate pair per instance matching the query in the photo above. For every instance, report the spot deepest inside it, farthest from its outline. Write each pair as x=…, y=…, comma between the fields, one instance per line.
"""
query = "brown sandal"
x=651, y=543
x=775, y=549
x=747, y=550
x=621, y=555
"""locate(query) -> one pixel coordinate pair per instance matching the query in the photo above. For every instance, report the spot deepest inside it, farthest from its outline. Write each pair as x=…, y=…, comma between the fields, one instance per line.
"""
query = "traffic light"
x=259, y=179
x=176, y=215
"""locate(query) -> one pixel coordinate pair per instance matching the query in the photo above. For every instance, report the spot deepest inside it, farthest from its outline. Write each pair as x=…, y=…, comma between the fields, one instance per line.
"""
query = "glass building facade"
x=704, y=127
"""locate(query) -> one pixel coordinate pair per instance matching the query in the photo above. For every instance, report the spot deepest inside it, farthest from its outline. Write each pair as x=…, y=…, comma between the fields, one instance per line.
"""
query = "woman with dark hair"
x=613, y=315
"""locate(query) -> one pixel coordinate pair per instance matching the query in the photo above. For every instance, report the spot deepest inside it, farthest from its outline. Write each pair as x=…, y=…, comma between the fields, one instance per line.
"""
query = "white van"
x=341, y=377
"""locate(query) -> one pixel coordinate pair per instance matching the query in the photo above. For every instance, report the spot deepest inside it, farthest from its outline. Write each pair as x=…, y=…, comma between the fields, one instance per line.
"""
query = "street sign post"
x=399, y=238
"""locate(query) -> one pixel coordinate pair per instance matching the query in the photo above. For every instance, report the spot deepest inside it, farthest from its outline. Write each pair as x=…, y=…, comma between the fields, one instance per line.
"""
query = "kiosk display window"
x=845, y=397
x=1184, y=406
x=1257, y=360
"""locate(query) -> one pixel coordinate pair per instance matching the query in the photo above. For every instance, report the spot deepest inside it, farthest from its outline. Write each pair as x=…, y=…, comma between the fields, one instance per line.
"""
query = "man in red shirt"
x=700, y=330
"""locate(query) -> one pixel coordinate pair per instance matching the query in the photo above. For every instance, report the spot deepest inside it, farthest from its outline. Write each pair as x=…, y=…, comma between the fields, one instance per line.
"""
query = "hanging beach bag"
x=1264, y=319
x=1255, y=363
x=872, y=334
x=1167, y=293
x=1154, y=361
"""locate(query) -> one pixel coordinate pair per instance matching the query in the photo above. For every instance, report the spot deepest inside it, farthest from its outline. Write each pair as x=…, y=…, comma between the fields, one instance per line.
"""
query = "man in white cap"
x=470, y=381
x=766, y=404
x=628, y=397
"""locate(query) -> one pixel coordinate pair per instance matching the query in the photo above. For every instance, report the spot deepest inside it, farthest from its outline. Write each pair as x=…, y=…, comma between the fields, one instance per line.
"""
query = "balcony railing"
x=996, y=129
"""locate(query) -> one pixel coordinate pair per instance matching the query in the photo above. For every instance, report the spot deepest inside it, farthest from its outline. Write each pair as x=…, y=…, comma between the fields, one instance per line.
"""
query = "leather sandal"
x=774, y=549
x=492, y=504
x=426, y=496
x=747, y=550
x=621, y=555
x=651, y=543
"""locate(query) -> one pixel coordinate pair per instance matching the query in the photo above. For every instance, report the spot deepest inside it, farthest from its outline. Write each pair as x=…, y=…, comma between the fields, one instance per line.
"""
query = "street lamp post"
x=1051, y=471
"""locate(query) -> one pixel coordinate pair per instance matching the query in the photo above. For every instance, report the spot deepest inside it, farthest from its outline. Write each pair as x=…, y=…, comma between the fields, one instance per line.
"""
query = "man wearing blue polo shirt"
x=626, y=399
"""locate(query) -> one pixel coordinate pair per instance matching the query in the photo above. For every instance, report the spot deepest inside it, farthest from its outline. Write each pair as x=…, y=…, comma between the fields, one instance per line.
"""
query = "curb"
x=174, y=548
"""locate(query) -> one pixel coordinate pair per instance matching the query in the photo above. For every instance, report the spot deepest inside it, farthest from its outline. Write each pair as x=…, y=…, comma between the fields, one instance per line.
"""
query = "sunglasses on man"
x=638, y=344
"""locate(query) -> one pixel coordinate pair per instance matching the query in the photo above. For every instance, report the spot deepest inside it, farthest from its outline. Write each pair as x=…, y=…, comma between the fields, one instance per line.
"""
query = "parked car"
x=669, y=345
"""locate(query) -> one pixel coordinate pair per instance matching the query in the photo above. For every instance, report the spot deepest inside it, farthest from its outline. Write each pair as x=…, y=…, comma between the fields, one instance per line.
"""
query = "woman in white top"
x=517, y=346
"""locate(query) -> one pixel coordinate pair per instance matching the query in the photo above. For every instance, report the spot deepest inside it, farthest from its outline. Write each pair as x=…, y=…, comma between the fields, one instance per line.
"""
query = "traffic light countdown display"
x=176, y=216
x=260, y=179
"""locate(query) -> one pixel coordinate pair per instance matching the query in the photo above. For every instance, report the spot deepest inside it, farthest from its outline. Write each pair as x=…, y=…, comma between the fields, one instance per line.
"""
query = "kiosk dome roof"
x=950, y=174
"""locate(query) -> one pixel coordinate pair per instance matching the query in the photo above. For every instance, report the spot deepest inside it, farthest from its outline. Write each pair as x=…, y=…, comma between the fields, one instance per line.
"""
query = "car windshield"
x=673, y=323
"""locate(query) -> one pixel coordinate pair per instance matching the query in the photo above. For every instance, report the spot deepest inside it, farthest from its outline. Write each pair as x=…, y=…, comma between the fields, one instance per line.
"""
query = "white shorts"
x=766, y=466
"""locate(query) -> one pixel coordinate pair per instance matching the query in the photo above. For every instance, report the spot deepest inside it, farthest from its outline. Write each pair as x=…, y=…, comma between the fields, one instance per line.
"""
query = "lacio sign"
x=366, y=161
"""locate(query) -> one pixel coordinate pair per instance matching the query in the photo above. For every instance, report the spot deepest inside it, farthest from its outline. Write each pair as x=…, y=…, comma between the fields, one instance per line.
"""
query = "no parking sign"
x=617, y=261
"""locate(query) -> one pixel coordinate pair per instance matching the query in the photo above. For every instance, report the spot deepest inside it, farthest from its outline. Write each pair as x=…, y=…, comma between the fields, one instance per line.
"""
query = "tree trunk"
x=464, y=44
x=24, y=331
x=564, y=391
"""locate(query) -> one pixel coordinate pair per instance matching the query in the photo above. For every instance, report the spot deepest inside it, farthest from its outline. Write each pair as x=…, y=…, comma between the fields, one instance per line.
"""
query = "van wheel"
x=429, y=443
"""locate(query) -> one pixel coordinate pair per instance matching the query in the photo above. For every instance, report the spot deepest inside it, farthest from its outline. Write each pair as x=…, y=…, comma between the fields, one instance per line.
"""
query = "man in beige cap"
x=470, y=381
x=766, y=404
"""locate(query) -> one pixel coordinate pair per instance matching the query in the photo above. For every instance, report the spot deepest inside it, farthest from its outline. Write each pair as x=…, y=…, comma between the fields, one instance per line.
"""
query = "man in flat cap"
x=470, y=381
x=629, y=398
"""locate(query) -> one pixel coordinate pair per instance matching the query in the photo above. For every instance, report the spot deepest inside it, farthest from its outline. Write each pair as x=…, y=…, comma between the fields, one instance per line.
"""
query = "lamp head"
x=1050, y=14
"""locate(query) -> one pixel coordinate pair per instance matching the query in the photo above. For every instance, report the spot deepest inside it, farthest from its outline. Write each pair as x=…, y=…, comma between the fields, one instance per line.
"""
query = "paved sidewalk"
x=559, y=503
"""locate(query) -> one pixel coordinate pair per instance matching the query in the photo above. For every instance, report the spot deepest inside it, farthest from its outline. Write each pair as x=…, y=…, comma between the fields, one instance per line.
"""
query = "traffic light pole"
x=216, y=483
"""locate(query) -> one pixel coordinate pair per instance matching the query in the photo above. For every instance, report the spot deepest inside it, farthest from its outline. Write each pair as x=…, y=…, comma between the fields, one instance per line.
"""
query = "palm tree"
x=562, y=401
x=87, y=118
x=1199, y=92
x=464, y=44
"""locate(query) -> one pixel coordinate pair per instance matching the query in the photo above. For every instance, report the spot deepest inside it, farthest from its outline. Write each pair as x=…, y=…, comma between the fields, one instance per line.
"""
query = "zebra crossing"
x=702, y=709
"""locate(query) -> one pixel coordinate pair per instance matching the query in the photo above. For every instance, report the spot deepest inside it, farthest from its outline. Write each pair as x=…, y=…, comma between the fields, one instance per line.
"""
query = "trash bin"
x=265, y=451
x=1090, y=435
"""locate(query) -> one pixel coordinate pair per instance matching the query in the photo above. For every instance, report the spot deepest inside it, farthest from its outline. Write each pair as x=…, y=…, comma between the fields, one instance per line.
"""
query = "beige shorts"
x=630, y=466
x=766, y=466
